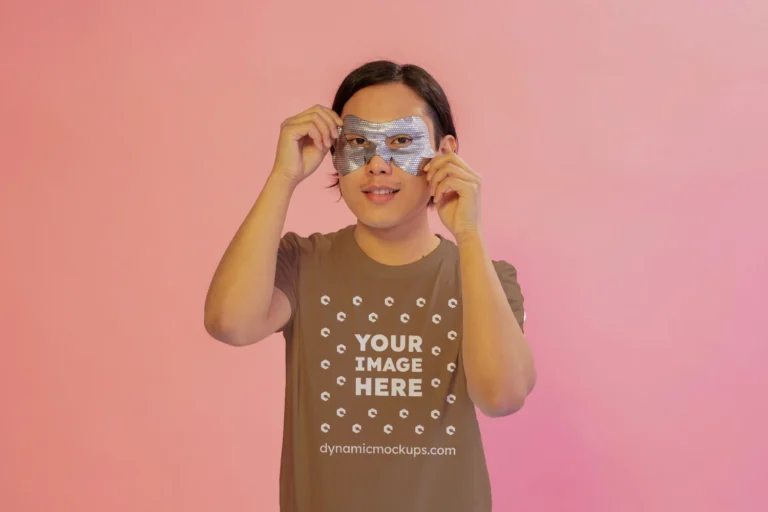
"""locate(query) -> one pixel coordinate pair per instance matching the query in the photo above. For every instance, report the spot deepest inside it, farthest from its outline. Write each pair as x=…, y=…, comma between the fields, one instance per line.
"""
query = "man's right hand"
x=304, y=141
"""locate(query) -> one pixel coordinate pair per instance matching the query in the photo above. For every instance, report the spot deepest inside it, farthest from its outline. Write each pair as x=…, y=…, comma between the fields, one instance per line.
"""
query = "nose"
x=378, y=165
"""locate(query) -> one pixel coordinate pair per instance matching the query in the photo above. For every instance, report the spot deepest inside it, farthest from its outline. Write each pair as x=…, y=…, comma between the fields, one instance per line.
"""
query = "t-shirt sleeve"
x=287, y=270
x=508, y=276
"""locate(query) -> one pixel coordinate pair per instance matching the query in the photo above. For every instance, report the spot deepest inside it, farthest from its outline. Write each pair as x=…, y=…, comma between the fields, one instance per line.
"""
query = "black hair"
x=418, y=79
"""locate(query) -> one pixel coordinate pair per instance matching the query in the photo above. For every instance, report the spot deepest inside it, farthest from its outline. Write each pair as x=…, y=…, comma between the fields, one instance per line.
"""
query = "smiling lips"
x=380, y=194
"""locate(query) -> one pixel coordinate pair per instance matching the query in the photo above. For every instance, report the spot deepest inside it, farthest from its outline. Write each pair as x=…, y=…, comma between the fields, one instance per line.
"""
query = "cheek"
x=350, y=183
x=417, y=187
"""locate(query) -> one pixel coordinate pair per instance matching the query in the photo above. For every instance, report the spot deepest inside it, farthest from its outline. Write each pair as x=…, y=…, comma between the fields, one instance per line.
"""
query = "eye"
x=356, y=141
x=400, y=141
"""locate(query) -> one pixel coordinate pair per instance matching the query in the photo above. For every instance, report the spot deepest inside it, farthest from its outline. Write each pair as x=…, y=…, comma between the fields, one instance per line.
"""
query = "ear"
x=447, y=145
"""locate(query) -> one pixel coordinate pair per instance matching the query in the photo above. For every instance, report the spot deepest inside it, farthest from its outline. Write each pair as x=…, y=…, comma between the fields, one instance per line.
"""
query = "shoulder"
x=314, y=244
x=508, y=277
x=505, y=270
x=507, y=273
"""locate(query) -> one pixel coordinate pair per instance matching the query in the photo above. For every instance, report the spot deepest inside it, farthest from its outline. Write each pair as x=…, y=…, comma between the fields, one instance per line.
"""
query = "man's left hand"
x=455, y=188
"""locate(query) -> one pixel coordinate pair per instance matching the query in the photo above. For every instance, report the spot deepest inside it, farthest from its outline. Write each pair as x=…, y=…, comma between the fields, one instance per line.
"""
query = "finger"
x=449, y=170
x=331, y=119
x=336, y=119
x=321, y=109
x=450, y=185
x=445, y=155
x=310, y=129
x=322, y=125
x=307, y=128
x=464, y=166
x=436, y=176
x=436, y=161
x=316, y=135
x=326, y=126
x=448, y=159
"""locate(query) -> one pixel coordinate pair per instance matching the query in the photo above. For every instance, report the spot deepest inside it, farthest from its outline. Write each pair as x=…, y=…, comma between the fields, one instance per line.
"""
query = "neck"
x=399, y=245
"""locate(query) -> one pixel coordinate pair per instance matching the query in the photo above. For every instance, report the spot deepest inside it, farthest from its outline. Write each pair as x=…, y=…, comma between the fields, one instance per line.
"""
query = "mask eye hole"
x=357, y=141
x=399, y=141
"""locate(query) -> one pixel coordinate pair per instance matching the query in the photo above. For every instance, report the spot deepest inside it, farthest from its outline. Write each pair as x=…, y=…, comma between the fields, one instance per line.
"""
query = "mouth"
x=380, y=195
x=381, y=191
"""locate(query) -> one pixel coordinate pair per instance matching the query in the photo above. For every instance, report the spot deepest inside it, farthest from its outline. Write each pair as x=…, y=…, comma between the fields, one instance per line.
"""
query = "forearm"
x=241, y=289
x=497, y=359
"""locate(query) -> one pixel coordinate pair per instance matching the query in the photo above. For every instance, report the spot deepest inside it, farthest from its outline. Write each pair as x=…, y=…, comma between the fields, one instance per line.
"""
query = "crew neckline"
x=368, y=264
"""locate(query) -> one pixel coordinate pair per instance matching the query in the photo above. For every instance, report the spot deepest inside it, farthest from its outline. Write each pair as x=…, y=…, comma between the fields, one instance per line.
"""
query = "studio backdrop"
x=622, y=148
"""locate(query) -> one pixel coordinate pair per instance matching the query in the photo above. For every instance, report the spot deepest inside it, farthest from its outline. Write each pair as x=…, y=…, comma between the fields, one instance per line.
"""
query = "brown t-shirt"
x=377, y=415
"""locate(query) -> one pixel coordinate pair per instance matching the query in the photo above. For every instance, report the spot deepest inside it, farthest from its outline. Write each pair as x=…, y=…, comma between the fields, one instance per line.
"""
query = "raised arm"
x=243, y=305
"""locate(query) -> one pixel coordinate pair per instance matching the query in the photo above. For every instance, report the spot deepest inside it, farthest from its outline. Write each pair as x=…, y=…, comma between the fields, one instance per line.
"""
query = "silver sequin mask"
x=411, y=158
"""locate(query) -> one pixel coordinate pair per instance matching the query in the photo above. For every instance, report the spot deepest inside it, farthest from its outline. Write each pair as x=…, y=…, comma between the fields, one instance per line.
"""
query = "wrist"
x=471, y=236
x=282, y=180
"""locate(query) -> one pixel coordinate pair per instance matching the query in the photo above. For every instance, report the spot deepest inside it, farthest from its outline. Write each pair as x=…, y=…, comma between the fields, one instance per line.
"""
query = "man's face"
x=378, y=192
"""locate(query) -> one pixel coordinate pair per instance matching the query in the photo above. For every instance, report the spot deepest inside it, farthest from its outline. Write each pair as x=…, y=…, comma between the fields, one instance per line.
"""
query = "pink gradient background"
x=623, y=145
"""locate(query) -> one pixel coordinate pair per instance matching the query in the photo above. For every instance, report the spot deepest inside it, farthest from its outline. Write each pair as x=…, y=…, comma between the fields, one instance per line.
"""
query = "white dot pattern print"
x=372, y=366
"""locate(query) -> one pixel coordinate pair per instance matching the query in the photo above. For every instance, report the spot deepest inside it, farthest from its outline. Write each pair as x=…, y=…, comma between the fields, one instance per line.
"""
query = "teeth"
x=382, y=192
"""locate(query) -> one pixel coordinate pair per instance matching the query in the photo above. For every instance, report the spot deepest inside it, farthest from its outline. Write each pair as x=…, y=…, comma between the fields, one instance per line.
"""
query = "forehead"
x=387, y=102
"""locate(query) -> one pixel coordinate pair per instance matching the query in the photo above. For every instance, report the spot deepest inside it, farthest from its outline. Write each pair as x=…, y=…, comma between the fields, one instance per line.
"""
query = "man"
x=394, y=334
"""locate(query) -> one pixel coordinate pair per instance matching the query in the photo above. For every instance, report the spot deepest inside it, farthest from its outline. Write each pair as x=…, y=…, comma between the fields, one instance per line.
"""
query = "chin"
x=378, y=220
x=379, y=226
x=381, y=219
